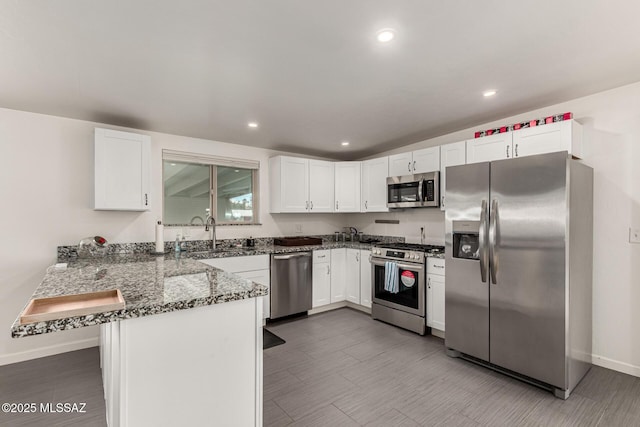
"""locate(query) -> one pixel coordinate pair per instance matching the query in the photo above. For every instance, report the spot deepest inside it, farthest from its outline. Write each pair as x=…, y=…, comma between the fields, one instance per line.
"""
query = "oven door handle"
x=415, y=267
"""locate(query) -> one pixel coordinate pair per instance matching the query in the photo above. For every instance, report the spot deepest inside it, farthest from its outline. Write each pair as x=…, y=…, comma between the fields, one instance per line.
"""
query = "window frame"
x=213, y=162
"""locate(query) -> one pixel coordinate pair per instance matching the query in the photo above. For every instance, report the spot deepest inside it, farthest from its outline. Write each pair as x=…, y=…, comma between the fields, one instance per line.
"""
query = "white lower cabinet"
x=365, y=278
x=262, y=277
x=352, y=276
x=321, y=278
x=254, y=268
x=435, y=293
x=338, y=273
x=341, y=275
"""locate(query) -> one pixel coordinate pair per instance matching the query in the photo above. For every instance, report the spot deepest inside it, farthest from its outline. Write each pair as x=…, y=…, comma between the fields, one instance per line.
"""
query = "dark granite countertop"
x=149, y=285
x=267, y=250
x=155, y=284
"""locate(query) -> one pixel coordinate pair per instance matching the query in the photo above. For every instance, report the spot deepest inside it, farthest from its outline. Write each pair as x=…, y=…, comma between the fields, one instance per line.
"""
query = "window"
x=234, y=195
x=195, y=185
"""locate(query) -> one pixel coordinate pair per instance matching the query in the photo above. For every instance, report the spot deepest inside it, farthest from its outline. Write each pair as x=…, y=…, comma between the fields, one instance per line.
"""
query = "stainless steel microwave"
x=414, y=191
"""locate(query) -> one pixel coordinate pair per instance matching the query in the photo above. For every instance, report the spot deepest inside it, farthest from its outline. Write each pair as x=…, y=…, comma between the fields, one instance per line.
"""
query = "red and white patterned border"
x=523, y=125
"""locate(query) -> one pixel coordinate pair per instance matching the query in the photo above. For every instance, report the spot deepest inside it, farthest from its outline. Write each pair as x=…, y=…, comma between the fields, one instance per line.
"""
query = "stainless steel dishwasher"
x=290, y=284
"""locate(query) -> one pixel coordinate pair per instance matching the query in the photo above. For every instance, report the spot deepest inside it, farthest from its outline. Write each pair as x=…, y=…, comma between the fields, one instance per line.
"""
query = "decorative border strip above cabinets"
x=524, y=125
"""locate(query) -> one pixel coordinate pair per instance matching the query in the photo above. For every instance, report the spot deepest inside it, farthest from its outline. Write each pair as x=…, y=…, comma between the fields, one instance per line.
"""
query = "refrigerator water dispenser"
x=466, y=242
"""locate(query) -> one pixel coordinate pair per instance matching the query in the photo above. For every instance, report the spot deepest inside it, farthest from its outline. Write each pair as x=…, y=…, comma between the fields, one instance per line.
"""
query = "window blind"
x=205, y=159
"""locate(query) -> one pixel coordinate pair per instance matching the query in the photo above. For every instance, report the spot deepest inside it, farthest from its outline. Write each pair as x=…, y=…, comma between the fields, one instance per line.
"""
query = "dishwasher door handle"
x=297, y=255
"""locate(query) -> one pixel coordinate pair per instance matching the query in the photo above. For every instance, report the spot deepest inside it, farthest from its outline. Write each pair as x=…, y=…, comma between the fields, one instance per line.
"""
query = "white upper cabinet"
x=374, y=185
x=321, y=188
x=401, y=164
x=490, y=148
x=419, y=161
x=550, y=138
x=122, y=171
x=289, y=184
x=300, y=185
x=559, y=136
x=453, y=154
x=347, y=187
x=426, y=160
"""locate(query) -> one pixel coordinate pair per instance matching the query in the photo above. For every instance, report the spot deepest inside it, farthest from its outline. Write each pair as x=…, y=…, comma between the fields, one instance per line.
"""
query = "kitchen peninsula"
x=187, y=347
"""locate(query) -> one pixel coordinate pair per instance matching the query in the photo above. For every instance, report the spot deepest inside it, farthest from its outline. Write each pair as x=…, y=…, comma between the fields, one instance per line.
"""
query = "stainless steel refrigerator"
x=519, y=243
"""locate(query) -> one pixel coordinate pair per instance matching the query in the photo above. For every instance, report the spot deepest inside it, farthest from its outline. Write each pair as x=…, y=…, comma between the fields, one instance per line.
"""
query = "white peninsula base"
x=192, y=367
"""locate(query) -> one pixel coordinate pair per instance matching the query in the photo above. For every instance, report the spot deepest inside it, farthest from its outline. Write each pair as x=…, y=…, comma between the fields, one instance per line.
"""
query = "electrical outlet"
x=634, y=235
x=298, y=228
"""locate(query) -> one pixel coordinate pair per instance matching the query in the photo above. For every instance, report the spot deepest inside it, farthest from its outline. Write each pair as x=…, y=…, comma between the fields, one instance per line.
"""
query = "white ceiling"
x=311, y=73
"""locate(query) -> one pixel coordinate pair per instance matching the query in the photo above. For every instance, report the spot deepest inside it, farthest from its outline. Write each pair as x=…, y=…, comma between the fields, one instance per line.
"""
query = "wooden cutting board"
x=43, y=309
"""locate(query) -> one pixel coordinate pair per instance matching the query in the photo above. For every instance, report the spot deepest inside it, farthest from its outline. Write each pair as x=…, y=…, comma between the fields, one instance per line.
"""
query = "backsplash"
x=203, y=245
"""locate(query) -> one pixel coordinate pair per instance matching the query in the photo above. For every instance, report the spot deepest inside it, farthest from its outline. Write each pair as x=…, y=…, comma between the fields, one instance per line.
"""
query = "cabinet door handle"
x=336, y=205
x=414, y=165
x=516, y=150
x=409, y=166
x=146, y=199
x=507, y=151
x=311, y=204
x=366, y=206
x=442, y=201
x=358, y=257
x=306, y=205
x=429, y=283
x=328, y=269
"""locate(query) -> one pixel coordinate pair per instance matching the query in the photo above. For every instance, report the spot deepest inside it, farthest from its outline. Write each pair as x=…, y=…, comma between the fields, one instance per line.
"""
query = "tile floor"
x=342, y=368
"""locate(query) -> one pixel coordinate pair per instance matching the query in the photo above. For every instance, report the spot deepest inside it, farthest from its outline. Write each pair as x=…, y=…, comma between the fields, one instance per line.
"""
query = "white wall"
x=47, y=195
x=611, y=122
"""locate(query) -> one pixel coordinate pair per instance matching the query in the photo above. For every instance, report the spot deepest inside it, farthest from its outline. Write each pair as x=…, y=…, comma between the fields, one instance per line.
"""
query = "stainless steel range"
x=405, y=304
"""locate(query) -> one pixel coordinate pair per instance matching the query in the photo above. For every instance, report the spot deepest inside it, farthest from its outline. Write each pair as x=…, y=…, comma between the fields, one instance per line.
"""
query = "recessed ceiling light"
x=489, y=93
x=252, y=124
x=344, y=143
x=173, y=164
x=237, y=170
x=385, y=35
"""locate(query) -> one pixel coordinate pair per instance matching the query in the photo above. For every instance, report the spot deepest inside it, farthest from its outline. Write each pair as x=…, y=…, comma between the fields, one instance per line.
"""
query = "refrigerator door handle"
x=482, y=240
x=493, y=241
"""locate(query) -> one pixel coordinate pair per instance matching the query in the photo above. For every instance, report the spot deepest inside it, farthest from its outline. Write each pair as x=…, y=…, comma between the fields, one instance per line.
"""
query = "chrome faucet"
x=211, y=222
x=196, y=217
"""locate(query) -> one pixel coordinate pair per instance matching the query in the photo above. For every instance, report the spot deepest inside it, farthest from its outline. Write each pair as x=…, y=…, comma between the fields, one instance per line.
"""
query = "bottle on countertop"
x=183, y=244
x=177, y=245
